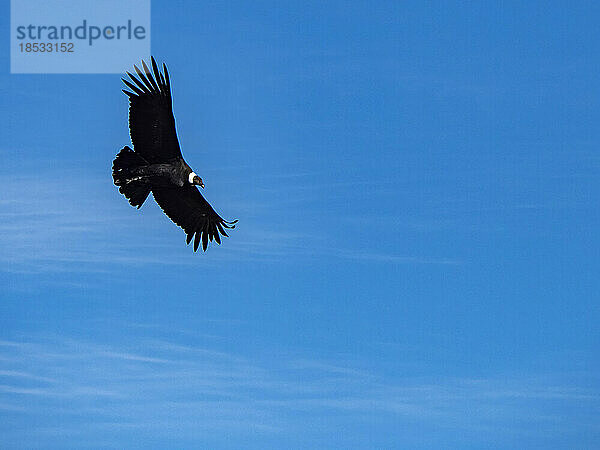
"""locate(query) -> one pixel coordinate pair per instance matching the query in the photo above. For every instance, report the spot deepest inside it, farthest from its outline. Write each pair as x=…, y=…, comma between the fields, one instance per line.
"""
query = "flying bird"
x=156, y=164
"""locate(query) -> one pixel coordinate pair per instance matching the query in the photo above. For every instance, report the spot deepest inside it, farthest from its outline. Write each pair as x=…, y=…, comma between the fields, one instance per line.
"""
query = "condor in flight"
x=156, y=165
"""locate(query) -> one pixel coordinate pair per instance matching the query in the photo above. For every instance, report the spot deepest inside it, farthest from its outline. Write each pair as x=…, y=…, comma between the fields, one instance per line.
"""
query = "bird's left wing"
x=189, y=209
x=151, y=121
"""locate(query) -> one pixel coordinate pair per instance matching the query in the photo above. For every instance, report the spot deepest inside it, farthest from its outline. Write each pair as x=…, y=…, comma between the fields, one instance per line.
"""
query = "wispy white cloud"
x=25, y=375
x=166, y=385
x=392, y=258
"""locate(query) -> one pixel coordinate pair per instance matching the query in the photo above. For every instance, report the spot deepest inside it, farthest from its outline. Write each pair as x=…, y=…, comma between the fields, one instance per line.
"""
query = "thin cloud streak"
x=151, y=384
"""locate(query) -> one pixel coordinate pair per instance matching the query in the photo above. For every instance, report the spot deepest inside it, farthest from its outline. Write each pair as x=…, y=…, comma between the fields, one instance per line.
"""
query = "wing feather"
x=134, y=88
x=168, y=82
x=141, y=85
x=143, y=78
x=187, y=208
x=151, y=121
x=150, y=77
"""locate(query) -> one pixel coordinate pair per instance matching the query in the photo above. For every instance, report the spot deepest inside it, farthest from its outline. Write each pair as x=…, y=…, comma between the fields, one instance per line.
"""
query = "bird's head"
x=198, y=181
x=195, y=180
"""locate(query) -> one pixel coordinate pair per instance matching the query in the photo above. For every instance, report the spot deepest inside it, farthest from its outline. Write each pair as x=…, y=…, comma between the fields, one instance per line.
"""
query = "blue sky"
x=416, y=263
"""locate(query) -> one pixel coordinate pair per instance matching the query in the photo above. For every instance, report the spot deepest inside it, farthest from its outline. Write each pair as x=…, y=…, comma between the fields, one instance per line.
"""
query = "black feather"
x=144, y=79
x=150, y=78
x=139, y=83
x=168, y=82
x=132, y=87
x=204, y=240
x=156, y=74
x=196, y=241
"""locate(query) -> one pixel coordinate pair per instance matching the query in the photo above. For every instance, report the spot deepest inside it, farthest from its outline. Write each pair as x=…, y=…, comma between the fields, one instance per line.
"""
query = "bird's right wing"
x=151, y=121
x=189, y=209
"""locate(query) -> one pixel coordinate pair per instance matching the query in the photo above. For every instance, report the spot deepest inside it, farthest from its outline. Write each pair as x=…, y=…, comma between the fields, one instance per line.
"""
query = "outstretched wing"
x=151, y=121
x=189, y=209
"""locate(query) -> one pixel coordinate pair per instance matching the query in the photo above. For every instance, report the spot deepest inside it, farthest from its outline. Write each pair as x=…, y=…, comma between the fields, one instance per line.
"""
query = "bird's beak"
x=202, y=185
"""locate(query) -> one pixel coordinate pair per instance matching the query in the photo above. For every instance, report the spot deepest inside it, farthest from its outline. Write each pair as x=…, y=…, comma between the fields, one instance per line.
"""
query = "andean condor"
x=156, y=165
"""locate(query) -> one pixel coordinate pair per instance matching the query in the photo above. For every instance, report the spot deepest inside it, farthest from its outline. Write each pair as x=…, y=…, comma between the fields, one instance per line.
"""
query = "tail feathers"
x=124, y=163
x=136, y=193
x=133, y=188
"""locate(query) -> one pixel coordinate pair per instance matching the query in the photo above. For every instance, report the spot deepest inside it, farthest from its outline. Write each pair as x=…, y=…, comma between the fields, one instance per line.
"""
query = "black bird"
x=156, y=165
